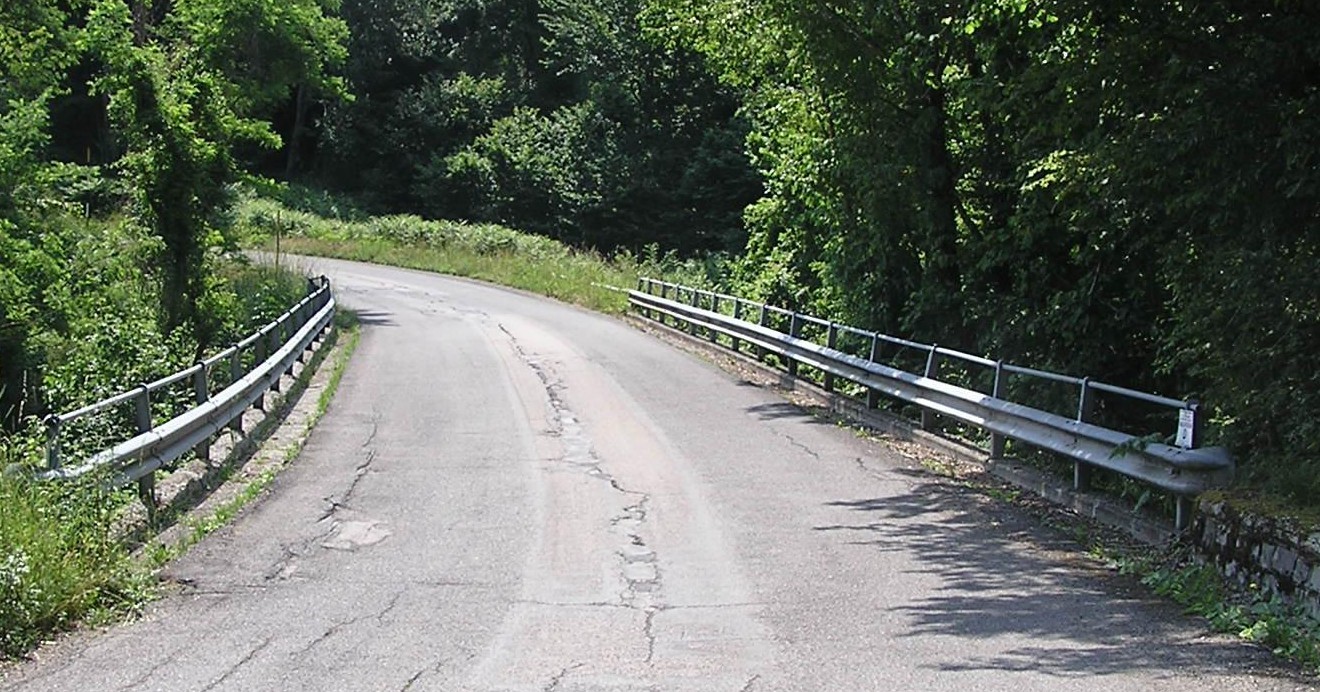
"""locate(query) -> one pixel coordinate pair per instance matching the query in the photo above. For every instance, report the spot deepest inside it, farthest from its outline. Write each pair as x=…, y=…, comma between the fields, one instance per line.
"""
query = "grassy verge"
x=480, y=251
x=59, y=564
x=577, y=278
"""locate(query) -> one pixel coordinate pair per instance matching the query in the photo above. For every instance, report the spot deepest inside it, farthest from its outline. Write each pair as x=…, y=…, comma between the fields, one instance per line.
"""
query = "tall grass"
x=59, y=564
x=487, y=252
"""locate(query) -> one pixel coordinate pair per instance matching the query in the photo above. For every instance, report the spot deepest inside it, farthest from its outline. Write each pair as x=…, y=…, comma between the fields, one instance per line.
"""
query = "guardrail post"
x=664, y=295
x=53, y=424
x=794, y=326
x=201, y=393
x=997, y=441
x=259, y=354
x=714, y=307
x=736, y=343
x=1183, y=512
x=276, y=337
x=1198, y=424
x=760, y=350
x=1085, y=406
x=692, y=323
x=873, y=396
x=644, y=286
x=1184, y=509
x=290, y=329
x=831, y=340
x=932, y=372
x=304, y=316
x=236, y=374
x=142, y=409
x=320, y=303
x=142, y=418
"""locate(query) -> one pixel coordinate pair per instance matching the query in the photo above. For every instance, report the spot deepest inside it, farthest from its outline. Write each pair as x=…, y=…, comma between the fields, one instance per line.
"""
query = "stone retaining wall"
x=1276, y=555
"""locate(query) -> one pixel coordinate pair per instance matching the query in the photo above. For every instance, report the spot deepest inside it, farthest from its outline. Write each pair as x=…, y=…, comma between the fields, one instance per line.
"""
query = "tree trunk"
x=293, y=160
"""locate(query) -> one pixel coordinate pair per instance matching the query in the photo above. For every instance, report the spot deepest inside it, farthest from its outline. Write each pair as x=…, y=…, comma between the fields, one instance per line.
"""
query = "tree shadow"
x=1004, y=575
x=782, y=411
x=375, y=318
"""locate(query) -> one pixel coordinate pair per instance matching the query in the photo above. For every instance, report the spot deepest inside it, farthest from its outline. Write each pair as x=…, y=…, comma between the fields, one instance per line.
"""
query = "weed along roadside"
x=82, y=555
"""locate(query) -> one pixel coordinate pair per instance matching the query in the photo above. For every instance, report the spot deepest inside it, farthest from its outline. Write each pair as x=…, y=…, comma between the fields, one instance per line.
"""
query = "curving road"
x=512, y=494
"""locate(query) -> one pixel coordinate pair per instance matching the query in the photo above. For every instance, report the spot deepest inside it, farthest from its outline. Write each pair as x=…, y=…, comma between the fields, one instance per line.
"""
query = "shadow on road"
x=375, y=318
x=778, y=411
x=1004, y=575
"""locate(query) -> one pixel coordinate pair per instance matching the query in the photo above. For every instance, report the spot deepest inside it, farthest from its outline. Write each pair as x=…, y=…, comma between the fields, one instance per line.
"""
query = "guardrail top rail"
x=273, y=349
x=1181, y=468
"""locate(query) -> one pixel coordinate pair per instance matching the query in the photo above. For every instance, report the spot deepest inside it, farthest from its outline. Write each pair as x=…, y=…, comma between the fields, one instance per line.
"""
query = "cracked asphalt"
x=513, y=494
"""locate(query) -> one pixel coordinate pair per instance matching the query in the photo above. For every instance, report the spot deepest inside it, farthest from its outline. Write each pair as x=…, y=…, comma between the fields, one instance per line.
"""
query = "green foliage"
x=113, y=273
x=58, y=563
x=263, y=48
x=1126, y=191
x=558, y=118
x=182, y=92
x=1283, y=627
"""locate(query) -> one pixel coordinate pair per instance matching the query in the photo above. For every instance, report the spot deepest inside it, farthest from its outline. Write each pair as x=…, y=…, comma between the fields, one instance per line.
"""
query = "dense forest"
x=1127, y=190
x=123, y=126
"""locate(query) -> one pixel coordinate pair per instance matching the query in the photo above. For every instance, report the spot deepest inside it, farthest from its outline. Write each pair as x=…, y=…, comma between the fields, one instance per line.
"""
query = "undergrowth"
x=80, y=320
x=59, y=564
x=488, y=252
x=1269, y=620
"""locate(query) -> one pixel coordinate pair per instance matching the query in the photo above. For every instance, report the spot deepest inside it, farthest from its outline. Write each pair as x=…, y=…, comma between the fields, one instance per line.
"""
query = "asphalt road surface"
x=513, y=494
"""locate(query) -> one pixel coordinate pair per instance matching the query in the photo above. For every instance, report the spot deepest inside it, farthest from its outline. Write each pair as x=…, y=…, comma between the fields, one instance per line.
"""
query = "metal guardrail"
x=274, y=348
x=1184, y=468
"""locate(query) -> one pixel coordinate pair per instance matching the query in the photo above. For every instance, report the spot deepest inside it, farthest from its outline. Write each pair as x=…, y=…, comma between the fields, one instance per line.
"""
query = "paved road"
x=511, y=494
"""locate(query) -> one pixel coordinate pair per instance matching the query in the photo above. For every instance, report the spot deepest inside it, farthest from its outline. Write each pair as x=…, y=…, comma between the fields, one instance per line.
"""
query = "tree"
x=565, y=121
x=186, y=85
x=1125, y=190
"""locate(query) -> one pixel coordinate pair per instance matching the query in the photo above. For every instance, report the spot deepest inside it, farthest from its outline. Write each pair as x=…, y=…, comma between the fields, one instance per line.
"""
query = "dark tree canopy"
x=555, y=117
x=1127, y=190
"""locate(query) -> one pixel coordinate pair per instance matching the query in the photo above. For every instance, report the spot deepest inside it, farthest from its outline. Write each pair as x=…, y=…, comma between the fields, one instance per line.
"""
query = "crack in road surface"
x=810, y=452
x=363, y=468
x=338, y=627
x=638, y=564
x=558, y=678
x=247, y=658
x=433, y=669
x=151, y=672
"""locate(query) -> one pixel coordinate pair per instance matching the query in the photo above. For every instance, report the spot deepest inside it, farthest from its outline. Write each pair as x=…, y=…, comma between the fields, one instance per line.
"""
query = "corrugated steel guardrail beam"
x=1182, y=471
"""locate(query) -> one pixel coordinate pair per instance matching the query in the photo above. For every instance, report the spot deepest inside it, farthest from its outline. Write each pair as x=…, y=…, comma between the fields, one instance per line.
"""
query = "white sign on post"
x=1186, y=420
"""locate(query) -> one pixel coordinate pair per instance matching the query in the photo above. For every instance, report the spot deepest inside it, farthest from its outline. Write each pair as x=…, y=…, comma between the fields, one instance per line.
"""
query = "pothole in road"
x=351, y=535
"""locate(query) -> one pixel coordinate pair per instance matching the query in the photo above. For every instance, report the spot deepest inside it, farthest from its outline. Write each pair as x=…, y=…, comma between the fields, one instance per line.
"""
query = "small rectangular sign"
x=1186, y=421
